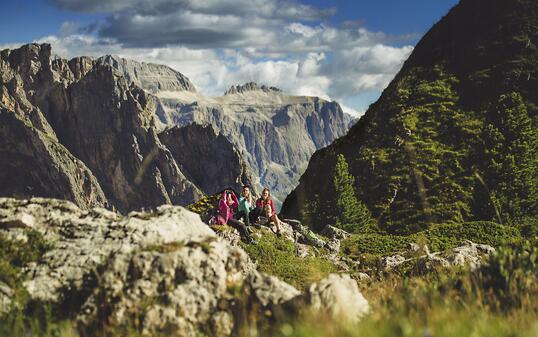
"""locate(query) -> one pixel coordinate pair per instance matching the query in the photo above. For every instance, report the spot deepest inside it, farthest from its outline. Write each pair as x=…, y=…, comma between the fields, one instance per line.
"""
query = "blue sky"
x=343, y=50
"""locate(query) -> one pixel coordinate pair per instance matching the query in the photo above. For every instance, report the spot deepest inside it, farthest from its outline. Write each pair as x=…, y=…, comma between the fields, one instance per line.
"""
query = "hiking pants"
x=241, y=228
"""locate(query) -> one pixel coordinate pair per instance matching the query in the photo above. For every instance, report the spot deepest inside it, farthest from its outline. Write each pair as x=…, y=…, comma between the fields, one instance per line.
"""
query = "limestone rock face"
x=152, y=77
x=208, y=160
x=176, y=291
x=159, y=272
x=34, y=164
x=83, y=240
x=276, y=133
x=99, y=129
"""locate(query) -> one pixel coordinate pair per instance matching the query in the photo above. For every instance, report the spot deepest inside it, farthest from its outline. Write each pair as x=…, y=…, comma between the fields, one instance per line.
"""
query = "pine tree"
x=511, y=159
x=351, y=214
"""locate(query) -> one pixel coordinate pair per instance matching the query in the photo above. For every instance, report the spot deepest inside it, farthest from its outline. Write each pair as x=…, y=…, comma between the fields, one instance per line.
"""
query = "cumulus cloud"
x=219, y=43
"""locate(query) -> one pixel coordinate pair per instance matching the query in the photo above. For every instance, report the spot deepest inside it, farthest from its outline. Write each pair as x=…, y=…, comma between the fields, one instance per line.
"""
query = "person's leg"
x=240, y=215
x=243, y=231
x=255, y=214
x=277, y=223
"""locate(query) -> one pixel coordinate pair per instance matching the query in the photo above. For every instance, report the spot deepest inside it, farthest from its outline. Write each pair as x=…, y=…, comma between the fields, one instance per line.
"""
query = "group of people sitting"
x=231, y=210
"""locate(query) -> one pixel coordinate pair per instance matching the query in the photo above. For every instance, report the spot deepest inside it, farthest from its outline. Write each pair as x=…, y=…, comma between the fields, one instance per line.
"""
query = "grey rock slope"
x=80, y=130
x=151, y=77
x=206, y=158
x=276, y=133
x=105, y=122
x=33, y=161
x=160, y=272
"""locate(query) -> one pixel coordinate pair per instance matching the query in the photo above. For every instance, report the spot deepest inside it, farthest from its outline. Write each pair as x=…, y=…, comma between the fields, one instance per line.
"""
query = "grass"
x=495, y=300
x=437, y=237
x=275, y=256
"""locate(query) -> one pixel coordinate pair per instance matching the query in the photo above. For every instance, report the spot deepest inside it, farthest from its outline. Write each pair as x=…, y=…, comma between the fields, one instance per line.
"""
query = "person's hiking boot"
x=257, y=225
x=276, y=232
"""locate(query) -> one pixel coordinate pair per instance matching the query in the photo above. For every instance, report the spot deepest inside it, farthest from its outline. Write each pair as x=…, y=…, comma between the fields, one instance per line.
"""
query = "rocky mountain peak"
x=250, y=86
x=151, y=77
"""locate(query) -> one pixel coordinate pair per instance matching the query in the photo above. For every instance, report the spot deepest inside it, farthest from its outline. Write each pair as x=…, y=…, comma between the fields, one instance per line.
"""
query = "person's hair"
x=268, y=194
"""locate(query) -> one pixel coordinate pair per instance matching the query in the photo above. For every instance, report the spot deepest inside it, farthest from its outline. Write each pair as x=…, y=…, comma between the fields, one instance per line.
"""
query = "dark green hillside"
x=429, y=150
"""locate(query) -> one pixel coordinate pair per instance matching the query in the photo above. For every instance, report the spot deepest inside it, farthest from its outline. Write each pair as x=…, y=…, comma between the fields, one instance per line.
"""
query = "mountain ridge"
x=417, y=151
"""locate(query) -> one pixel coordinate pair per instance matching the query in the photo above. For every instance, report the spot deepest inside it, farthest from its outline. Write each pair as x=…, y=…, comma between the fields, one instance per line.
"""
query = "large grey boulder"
x=81, y=241
x=337, y=295
x=157, y=272
x=176, y=291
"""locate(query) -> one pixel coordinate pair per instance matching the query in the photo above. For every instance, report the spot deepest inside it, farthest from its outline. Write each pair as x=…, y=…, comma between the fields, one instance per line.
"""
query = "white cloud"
x=219, y=43
x=339, y=76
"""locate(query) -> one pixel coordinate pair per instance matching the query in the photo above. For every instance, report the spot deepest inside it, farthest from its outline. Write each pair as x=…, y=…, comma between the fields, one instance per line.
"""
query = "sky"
x=341, y=50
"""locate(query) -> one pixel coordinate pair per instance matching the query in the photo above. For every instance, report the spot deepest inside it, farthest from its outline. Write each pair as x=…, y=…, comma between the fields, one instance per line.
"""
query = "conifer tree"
x=351, y=214
x=511, y=159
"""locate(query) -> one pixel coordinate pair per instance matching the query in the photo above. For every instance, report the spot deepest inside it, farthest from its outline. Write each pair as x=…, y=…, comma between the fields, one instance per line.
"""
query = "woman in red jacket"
x=265, y=204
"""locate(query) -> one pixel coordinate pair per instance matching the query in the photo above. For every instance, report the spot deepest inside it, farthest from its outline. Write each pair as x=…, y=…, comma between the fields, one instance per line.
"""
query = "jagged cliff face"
x=419, y=154
x=200, y=152
x=275, y=132
x=79, y=130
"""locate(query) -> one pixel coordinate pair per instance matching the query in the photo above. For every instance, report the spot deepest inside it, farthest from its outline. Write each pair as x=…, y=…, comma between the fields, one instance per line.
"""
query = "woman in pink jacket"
x=227, y=203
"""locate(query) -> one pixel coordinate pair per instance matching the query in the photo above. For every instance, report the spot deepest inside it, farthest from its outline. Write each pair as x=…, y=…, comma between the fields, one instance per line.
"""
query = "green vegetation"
x=453, y=138
x=437, y=237
x=351, y=214
x=510, y=161
x=275, y=256
x=497, y=299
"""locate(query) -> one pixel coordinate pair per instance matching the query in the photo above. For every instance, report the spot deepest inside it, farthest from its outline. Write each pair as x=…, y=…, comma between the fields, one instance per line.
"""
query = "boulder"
x=81, y=241
x=176, y=291
x=338, y=295
x=391, y=262
x=334, y=233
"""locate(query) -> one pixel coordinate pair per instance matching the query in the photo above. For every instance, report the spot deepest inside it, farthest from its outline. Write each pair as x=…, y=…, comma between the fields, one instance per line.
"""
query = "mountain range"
x=128, y=135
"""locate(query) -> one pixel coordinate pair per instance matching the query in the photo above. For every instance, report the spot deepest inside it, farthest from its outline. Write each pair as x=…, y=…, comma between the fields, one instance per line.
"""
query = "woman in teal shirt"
x=246, y=204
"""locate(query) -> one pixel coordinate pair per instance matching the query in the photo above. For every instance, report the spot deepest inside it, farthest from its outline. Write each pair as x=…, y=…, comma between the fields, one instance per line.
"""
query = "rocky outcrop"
x=469, y=254
x=208, y=160
x=250, y=86
x=155, y=272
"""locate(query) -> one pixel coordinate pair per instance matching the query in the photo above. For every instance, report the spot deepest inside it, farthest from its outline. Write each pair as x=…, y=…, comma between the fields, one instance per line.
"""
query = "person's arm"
x=272, y=207
x=234, y=197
